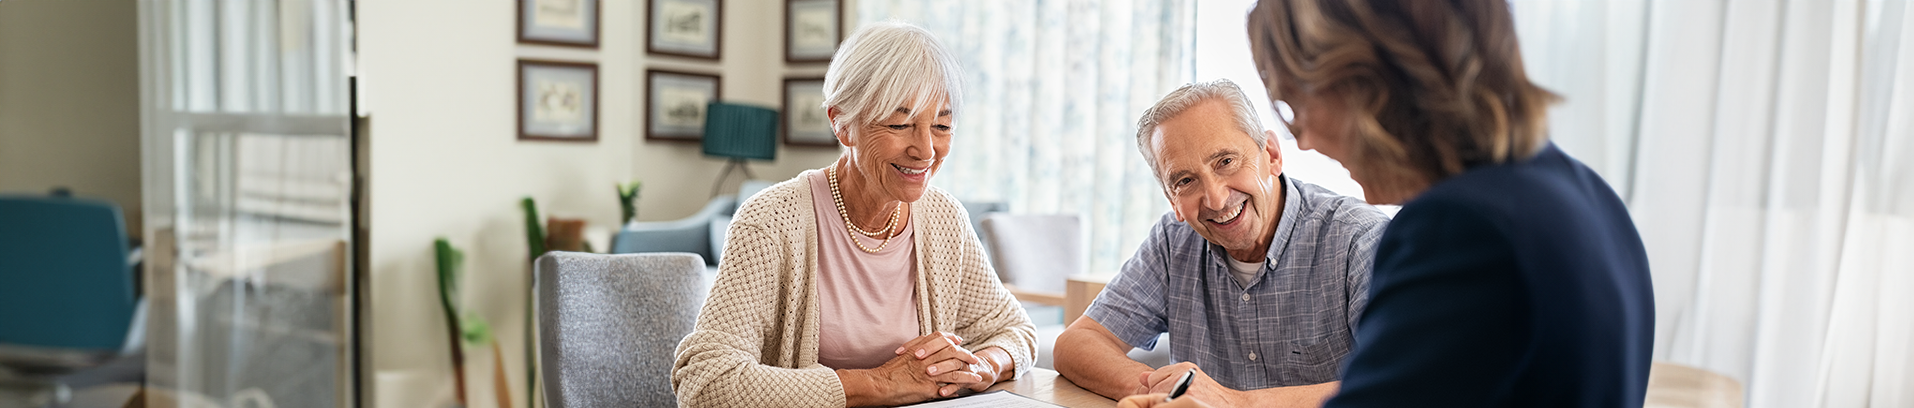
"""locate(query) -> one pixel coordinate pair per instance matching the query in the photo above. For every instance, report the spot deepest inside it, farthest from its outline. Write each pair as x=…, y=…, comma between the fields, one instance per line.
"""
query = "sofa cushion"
x=719, y=225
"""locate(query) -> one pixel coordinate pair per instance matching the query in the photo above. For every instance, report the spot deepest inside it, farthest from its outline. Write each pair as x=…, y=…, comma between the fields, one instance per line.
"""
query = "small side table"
x=1079, y=292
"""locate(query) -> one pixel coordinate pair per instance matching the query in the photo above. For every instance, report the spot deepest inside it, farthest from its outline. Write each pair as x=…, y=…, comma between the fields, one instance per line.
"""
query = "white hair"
x=1189, y=95
x=889, y=65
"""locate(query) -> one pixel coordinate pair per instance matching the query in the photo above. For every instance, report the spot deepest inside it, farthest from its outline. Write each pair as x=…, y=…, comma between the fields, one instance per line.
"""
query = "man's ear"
x=1275, y=149
x=843, y=136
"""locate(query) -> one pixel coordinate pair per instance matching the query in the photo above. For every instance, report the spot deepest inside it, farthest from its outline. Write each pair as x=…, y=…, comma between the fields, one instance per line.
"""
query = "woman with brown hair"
x=1513, y=275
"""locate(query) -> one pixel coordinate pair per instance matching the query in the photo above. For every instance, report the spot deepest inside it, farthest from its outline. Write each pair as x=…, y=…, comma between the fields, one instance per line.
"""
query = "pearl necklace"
x=887, y=232
x=846, y=214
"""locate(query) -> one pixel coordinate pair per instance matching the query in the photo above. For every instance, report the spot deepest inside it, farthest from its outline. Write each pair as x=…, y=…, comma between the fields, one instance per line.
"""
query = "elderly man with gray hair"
x=1258, y=278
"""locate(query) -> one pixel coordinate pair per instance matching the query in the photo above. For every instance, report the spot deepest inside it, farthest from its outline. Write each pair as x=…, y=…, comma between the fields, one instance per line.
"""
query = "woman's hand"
x=989, y=365
x=951, y=365
x=907, y=378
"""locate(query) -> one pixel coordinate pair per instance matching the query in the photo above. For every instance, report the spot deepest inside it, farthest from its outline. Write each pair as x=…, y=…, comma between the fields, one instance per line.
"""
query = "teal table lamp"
x=739, y=132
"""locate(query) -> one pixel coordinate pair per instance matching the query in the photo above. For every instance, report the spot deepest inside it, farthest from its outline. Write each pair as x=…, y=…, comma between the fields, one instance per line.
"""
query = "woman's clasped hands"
x=934, y=366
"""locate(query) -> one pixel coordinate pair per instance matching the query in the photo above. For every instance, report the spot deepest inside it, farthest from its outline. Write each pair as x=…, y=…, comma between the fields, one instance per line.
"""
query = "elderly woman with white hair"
x=859, y=283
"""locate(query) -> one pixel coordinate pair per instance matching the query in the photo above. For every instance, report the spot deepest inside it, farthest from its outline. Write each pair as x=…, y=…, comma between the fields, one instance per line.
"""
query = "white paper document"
x=993, y=399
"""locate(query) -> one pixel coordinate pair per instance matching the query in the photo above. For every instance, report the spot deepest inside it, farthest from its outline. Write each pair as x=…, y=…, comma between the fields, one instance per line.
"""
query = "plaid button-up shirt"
x=1291, y=325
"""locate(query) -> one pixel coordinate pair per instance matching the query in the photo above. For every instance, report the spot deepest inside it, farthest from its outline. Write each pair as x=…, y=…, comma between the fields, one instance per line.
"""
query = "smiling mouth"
x=1233, y=215
x=910, y=171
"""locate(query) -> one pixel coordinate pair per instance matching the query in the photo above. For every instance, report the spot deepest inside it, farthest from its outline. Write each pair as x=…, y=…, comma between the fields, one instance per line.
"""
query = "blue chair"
x=66, y=292
x=701, y=233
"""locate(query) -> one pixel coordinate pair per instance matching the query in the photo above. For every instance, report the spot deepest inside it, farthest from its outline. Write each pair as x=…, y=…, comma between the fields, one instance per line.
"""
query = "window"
x=1222, y=51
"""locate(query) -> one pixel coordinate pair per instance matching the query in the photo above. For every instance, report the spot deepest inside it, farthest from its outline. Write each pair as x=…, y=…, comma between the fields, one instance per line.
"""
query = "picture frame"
x=684, y=28
x=804, y=121
x=558, y=101
x=675, y=103
x=812, y=30
x=565, y=23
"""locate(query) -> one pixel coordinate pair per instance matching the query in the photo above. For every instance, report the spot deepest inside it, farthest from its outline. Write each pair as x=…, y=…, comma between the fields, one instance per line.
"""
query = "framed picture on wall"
x=812, y=29
x=557, y=101
x=570, y=23
x=685, y=28
x=675, y=104
x=804, y=120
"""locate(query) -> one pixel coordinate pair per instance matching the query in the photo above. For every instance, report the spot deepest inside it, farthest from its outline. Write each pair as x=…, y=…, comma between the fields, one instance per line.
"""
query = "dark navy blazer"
x=1513, y=285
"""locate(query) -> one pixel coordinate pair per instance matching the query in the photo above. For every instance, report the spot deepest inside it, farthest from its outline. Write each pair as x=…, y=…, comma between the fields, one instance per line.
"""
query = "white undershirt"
x=1244, y=271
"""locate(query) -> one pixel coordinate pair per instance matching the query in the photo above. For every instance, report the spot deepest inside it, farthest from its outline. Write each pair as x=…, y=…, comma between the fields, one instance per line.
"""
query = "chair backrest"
x=980, y=209
x=67, y=283
x=977, y=211
x=1035, y=252
x=609, y=325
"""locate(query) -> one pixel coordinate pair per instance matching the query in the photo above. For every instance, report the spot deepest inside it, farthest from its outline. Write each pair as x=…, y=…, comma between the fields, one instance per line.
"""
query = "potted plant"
x=627, y=201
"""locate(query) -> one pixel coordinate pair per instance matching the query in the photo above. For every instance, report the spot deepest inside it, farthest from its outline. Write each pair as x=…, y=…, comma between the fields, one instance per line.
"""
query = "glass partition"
x=246, y=152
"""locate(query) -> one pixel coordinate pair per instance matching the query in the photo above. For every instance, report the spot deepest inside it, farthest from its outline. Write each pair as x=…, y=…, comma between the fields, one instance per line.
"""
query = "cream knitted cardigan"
x=755, y=344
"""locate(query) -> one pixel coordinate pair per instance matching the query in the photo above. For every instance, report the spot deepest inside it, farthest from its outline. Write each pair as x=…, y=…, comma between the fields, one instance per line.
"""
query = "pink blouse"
x=867, y=302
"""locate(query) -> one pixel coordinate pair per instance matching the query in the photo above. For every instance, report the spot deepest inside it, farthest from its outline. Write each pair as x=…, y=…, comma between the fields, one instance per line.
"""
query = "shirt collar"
x=1286, y=224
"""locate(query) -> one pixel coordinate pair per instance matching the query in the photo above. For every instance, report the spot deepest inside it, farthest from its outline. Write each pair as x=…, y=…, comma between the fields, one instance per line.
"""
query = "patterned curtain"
x=1764, y=149
x=1052, y=93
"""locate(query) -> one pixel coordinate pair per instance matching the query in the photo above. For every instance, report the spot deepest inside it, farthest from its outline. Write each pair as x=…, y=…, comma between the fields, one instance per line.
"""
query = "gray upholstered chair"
x=609, y=325
x=1035, y=254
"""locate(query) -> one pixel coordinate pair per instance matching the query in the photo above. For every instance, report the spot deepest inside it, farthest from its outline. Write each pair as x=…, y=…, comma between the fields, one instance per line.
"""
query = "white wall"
x=437, y=80
x=70, y=99
x=677, y=176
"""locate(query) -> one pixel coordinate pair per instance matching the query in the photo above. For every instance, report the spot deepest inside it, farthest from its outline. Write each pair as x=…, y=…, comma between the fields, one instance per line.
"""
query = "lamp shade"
x=740, y=131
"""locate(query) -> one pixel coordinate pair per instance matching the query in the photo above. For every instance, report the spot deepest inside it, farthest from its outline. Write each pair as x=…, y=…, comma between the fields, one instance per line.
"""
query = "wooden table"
x=1672, y=385
x=1045, y=385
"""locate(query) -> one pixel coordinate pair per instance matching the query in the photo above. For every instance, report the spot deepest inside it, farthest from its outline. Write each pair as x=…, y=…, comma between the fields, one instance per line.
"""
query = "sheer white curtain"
x=1764, y=149
x=1222, y=52
x=1052, y=93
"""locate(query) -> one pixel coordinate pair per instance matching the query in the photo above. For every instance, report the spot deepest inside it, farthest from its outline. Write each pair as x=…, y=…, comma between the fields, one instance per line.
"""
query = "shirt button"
x=1252, y=356
x=1245, y=297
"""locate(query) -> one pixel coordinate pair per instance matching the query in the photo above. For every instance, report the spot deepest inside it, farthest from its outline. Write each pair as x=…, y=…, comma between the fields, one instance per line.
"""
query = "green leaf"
x=627, y=210
x=630, y=190
x=475, y=329
x=534, y=232
x=450, y=262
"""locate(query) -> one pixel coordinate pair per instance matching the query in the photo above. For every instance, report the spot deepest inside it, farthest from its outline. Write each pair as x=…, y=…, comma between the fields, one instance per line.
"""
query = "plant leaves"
x=534, y=233
x=474, y=329
x=450, y=262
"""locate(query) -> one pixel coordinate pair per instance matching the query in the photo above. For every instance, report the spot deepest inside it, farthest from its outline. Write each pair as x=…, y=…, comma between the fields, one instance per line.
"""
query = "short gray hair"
x=887, y=65
x=1187, y=96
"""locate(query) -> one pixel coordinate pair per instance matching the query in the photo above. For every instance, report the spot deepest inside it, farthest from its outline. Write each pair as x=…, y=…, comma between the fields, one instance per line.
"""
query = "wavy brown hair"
x=1431, y=87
